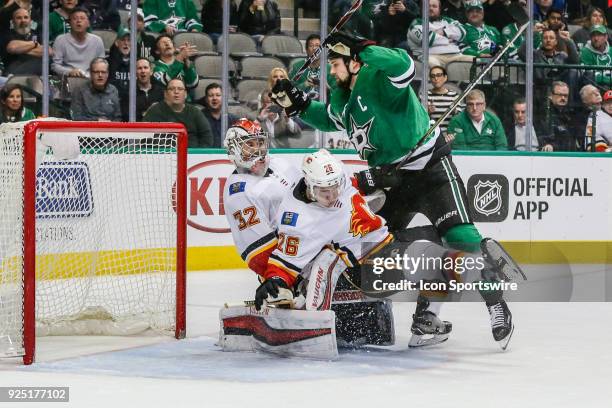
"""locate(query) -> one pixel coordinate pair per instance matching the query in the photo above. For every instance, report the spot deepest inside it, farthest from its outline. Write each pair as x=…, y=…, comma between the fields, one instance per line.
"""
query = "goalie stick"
x=461, y=97
x=356, y=6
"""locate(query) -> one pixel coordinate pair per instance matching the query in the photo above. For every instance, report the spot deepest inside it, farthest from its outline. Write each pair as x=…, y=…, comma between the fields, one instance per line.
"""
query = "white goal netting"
x=105, y=228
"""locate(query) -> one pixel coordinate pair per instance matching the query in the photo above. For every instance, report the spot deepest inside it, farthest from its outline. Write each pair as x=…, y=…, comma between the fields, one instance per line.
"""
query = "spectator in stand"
x=147, y=91
x=454, y=9
x=391, y=25
x=103, y=14
x=98, y=99
x=591, y=105
x=595, y=17
x=439, y=97
x=145, y=43
x=603, y=126
x=480, y=40
x=175, y=109
x=475, y=128
x=516, y=132
x=212, y=17
x=445, y=35
x=558, y=130
x=275, y=121
x=119, y=67
x=59, y=21
x=259, y=18
x=8, y=9
x=213, y=102
x=511, y=29
x=11, y=104
x=548, y=54
x=163, y=16
x=74, y=51
x=21, y=53
x=168, y=66
x=554, y=21
x=309, y=81
x=598, y=52
x=542, y=7
x=275, y=75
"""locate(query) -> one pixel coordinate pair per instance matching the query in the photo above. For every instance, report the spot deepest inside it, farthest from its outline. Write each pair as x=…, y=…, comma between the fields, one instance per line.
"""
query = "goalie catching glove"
x=347, y=45
x=272, y=290
x=289, y=97
x=377, y=178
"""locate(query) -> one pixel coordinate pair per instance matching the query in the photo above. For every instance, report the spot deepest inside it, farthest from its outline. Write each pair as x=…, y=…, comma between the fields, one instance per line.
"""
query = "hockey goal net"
x=92, y=230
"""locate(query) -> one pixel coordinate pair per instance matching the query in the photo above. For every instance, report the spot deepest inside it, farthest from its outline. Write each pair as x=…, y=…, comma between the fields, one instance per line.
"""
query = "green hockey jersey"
x=590, y=56
x=382, y=115
x=480, y=40
x=509, y=31
x=314, y=75
x=163, y=73
x=180, y=14
x=57, y=25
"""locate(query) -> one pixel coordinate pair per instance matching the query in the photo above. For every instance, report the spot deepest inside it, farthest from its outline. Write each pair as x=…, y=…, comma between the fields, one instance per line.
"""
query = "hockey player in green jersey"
x=384, y=120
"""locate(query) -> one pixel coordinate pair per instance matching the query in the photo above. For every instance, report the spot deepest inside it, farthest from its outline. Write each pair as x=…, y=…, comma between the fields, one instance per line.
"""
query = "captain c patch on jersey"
x=289, y=218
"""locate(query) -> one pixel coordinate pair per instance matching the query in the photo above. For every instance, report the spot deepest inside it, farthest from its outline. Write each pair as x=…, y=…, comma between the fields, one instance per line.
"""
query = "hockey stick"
x=461, y=97
x=356, y=6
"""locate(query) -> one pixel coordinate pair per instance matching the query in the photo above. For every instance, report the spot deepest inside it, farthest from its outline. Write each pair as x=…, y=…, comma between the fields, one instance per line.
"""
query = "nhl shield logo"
x=487, y=197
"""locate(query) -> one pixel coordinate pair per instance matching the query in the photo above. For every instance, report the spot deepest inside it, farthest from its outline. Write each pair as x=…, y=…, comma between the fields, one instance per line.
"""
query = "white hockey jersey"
x=250, y=204
x=304, y=228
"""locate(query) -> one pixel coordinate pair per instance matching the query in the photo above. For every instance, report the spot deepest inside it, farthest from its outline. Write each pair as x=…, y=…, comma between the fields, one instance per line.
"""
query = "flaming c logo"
x=363, y=221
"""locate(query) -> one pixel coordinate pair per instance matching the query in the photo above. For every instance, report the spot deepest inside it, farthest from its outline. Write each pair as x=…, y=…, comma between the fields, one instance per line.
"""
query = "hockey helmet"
x=324, y=177
x=247, y=146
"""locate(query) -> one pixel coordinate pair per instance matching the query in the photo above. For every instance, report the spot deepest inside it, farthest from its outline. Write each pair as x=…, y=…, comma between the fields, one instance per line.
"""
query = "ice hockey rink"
x=559, y=357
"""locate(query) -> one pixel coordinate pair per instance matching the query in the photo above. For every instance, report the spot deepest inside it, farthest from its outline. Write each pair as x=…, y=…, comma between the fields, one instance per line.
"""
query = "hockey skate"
x=501, y=323
x=500, y=264
x=427, y=329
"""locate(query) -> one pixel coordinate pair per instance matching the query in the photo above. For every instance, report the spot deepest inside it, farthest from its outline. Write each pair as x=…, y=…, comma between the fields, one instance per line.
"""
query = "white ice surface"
x=559, y=357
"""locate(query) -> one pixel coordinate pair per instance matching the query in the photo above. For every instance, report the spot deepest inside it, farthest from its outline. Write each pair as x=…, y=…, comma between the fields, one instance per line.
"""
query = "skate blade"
x=503, y=343
x=418, y=340
x=510, y=270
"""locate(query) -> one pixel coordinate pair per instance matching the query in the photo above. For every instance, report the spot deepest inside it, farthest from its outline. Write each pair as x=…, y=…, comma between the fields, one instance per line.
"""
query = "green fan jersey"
x=480, y=40
x=509, y=31
x=312, y=74
x=382, y=115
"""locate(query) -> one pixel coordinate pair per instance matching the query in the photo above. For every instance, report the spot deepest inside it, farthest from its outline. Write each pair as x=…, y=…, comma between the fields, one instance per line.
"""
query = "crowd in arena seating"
x=178, y=72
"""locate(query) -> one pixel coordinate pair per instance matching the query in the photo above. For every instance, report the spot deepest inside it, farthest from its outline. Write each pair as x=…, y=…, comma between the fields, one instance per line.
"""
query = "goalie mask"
x=324, y=177
x=247, y=146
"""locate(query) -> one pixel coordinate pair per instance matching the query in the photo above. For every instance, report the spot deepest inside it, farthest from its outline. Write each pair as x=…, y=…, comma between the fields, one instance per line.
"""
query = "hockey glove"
x=268, y=287
x=347, y=44
x=289, y=97
x=375, y=178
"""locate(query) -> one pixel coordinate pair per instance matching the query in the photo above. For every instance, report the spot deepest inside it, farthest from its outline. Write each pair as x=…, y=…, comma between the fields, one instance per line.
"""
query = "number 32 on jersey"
x=246, y=218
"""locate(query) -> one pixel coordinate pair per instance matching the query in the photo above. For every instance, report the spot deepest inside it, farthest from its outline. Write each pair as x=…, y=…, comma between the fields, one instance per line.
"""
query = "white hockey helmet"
x=247, y=146
x=324, y=177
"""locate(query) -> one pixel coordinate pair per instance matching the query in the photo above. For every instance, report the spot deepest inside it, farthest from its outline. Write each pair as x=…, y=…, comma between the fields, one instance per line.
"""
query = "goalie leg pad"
x=284, y=332
x=324, y=273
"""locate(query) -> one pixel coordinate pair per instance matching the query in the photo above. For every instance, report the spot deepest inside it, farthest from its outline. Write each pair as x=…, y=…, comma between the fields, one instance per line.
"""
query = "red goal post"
x=93, y=231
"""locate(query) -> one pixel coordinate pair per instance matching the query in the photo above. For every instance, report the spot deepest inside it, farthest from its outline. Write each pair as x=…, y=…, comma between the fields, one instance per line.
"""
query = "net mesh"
x=105, y=233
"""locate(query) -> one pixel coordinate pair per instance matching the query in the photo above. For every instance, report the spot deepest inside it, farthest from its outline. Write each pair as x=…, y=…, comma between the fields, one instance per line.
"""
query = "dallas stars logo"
x=483, y=43
x=359, y=136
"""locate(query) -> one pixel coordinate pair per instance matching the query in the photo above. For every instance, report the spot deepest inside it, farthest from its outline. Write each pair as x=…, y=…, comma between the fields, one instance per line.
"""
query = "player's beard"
x=344, y=83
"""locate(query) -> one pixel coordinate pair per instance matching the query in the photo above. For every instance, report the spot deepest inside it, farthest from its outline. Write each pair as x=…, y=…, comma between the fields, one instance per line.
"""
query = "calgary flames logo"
x=363, y=221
